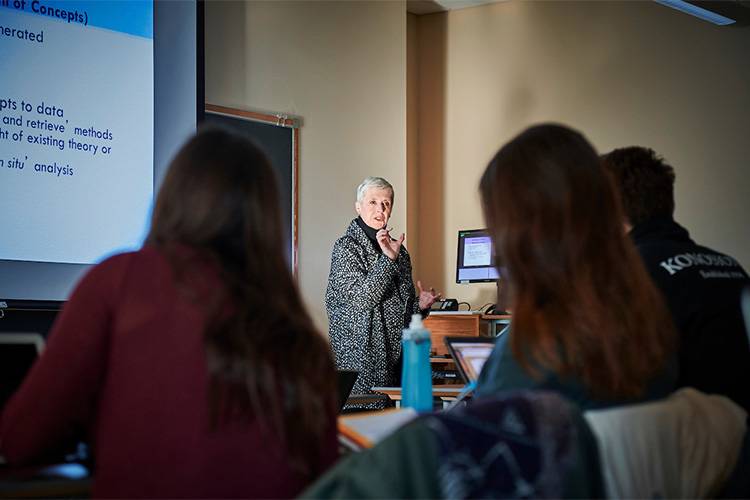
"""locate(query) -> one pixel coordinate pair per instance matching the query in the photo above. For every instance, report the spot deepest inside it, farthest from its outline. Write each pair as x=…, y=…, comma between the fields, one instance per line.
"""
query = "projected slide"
x=76, y=128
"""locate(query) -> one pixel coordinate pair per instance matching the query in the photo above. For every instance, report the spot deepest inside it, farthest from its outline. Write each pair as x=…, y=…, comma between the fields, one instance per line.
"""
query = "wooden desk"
x=461, y=324
x=450, y=325
x=441, y=391
x=446, y=393
x=467, y=324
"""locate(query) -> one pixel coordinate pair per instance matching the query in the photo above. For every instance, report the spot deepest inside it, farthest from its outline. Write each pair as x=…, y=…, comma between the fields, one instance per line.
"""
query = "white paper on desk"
x=453, y=313
x=376, y=426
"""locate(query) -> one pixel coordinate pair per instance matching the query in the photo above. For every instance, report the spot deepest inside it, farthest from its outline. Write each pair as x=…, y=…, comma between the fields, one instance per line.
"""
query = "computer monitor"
x=474, y=262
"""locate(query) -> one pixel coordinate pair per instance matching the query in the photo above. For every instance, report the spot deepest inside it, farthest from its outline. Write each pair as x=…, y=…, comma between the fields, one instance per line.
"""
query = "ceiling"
x=739, y=10
x=420, y=7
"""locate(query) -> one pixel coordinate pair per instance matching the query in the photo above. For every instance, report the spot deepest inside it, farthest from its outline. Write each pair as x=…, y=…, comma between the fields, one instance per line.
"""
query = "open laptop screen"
x=470, y=354
x=346, y=379
x=18, y=351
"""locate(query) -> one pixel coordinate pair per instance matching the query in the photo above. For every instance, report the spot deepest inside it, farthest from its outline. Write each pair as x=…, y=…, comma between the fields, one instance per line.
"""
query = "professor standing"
x=371, y=296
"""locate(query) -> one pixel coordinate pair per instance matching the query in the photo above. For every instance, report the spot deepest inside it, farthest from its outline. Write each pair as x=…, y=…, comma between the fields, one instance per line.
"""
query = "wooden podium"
x=461, y=324
x=457, y=324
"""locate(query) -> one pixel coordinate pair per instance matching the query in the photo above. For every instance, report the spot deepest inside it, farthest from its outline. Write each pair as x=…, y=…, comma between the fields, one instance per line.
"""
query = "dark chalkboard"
x=278, y=136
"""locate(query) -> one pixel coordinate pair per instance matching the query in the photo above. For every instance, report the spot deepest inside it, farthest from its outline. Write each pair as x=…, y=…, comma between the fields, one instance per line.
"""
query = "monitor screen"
x=475, y=257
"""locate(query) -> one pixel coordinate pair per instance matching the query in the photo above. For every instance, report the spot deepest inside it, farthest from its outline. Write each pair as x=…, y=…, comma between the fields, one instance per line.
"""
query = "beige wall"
x=341, y=66
x=429, y=65
x=622, y=72
x=412, y=138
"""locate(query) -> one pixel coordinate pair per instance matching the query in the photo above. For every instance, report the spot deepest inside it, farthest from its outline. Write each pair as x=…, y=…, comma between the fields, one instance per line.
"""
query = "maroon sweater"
x=126, y=361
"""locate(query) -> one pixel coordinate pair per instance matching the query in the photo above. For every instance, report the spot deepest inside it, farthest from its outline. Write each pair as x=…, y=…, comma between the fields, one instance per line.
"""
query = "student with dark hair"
x=701, y=286
x=192, y=363
x=587, y=320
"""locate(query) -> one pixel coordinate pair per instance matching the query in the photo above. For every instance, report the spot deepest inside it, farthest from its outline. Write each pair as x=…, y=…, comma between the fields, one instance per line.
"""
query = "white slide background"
x=100, y=78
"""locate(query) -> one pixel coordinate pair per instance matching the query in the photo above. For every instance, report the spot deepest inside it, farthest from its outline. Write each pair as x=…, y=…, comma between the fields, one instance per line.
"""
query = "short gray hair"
x=373, y=182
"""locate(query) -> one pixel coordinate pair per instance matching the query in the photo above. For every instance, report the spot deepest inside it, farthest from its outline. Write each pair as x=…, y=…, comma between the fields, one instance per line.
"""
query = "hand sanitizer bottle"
x=416, y=379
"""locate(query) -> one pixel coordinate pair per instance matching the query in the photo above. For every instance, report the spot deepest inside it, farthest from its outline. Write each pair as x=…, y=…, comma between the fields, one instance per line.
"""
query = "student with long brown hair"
x=192, y=362
x=587, y=320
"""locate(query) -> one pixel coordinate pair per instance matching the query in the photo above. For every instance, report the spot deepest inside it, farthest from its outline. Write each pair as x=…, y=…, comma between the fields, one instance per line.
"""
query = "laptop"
x=346, y=379
x=470, y=354
x=18, y=351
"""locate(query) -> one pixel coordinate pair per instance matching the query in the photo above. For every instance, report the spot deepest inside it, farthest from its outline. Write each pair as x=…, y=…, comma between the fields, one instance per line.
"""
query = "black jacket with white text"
x=702, y=288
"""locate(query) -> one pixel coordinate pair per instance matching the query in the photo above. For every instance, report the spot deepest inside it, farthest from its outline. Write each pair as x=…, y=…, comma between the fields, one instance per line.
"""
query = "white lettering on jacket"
x=681, y=261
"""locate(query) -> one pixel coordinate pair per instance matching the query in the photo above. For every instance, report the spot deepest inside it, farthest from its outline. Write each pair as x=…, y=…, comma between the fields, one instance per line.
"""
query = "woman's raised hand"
x=426, y=297
x=390, y=247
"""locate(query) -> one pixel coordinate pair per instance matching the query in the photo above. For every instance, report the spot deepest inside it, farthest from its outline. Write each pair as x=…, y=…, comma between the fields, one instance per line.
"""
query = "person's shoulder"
x=349, y=239
x=710, y=251
x=108, y=275
x=654, y=251
x=404, y=259
x=346, y=239
x=114, y=262
x=118, y=266
x=143, y=256
x=686, y=251
x=655, y=242
x=344, y=243
x=344, y=246
x=405, y=251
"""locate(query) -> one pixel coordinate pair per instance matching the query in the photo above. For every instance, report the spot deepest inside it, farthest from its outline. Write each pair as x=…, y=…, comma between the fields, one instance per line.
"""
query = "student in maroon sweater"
x=192, y=363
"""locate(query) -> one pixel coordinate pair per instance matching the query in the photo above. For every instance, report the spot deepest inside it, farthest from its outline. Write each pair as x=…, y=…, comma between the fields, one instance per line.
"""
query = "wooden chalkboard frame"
x=278, y=120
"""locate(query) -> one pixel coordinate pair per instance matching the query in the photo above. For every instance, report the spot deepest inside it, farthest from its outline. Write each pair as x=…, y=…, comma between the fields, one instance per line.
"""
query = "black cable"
x=485, y=309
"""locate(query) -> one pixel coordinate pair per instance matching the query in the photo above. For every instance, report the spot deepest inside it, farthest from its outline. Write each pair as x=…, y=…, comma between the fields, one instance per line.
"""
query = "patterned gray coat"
x=369, y=300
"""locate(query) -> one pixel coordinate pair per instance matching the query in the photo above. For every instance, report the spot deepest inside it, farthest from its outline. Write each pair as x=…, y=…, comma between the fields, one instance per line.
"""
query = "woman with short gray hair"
x=371, y=296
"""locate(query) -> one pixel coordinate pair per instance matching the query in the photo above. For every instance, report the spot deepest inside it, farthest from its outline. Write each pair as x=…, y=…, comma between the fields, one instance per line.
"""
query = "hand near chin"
x=390, y=247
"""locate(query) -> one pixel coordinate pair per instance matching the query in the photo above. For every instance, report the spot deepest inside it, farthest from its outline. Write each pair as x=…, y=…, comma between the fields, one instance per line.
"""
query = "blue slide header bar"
x=135, y=17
